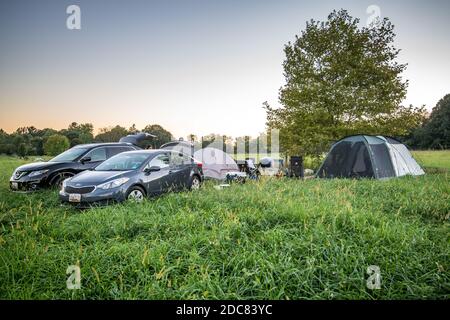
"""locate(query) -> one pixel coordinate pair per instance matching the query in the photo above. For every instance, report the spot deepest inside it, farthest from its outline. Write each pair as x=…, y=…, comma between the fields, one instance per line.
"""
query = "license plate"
x=74, y=197
x=14, y=185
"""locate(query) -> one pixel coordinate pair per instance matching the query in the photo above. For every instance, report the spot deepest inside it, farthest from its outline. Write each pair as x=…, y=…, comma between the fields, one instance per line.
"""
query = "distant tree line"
x=434, y=133
x=30, y=141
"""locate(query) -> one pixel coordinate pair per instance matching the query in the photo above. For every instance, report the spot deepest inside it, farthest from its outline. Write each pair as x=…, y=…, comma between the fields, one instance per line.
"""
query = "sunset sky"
x=191, y=66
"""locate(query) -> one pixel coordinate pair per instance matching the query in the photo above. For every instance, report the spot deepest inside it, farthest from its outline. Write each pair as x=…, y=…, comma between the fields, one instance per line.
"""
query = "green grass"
x=276, y=239
x=433, y=159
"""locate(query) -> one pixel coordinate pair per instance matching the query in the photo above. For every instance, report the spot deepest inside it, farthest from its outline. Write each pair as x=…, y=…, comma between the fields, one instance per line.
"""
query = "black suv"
x=30, y=177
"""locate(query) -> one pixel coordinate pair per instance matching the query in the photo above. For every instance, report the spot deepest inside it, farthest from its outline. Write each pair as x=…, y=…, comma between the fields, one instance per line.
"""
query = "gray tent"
x=365, y=156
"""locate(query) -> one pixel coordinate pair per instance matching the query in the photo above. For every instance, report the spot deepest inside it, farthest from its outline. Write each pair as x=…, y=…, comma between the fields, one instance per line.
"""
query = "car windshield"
x=69, y=155
x=123, y=162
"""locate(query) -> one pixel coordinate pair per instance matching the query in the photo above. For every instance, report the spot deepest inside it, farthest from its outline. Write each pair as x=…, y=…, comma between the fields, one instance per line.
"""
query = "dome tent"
x=364, y=156
x=216, y=163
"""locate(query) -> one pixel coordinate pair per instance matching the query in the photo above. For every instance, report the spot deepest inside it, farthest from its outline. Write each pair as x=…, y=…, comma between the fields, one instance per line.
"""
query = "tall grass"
x=276, y=239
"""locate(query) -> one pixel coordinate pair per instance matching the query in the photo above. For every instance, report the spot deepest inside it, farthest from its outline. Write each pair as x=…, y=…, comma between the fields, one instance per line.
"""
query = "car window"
x=98, y=154
x=123, y=162
x=177, y=158
x=69, y=155
x=112, y=151
x=161, y=160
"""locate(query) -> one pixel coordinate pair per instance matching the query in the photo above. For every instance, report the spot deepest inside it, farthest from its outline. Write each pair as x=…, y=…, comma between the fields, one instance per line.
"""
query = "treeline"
x=29, y=141
x=434, y=133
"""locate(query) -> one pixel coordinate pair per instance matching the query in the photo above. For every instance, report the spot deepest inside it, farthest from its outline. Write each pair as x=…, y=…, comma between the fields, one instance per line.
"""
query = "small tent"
x=365, y=156
x=216, y=163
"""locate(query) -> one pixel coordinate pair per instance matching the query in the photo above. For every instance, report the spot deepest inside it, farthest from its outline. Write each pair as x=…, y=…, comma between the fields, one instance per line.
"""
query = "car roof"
x=150, y=151
x=103, y=144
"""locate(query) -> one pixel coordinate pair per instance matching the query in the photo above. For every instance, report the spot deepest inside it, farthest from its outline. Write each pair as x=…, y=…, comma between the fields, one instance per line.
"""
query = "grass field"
x=433, y=159
x=276, y=239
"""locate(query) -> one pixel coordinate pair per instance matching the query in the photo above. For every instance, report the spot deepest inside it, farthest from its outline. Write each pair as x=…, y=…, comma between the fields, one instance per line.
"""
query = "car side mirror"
x=86, y=159
x=151, y=169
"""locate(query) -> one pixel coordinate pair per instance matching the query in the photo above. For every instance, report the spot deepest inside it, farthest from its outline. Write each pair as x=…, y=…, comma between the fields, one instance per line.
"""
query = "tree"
x=435, y=131
x=341, y=80
x=162, y=135
x=79, y=133
x=22, y=150
x=56, y=144
x=111, y=134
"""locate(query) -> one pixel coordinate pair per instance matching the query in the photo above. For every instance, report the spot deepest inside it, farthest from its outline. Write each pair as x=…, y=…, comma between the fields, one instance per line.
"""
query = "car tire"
x=135, y=194
x=194, y=183
x=57, y=179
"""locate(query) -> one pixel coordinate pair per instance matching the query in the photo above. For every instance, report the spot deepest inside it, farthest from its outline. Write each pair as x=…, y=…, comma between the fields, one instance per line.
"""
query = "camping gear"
x=364, y=156
x=248, y=166
x=221, y=186
x=266, y=162
x=296, y=169
x=239, y=177
x=270, y=167
x=216, y=163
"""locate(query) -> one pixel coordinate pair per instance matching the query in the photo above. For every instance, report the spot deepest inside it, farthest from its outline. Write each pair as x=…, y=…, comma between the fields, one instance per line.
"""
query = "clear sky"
x=193, y=66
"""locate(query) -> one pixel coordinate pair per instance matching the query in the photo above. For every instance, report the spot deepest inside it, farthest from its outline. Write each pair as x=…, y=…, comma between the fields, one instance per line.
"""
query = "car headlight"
x=64, y=184
x=37, y=173
x=113, y=184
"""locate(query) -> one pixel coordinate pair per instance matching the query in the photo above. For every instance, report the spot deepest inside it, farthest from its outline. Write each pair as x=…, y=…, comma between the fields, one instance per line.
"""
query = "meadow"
x=274, y=239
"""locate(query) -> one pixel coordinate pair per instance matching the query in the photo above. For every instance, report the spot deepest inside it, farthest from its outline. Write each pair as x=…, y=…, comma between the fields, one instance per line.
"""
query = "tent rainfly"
x=365, y=156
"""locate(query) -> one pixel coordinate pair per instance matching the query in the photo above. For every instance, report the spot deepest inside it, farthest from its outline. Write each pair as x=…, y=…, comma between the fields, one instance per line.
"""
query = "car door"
x=180, y=169
x=157, y=182
x=97, y=156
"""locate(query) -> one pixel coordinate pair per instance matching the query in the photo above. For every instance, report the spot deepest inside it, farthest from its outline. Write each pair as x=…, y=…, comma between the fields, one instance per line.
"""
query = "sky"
x=192, y=66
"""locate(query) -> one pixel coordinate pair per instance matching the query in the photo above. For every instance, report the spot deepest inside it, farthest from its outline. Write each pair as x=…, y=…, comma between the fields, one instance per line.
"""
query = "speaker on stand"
x=296, y=168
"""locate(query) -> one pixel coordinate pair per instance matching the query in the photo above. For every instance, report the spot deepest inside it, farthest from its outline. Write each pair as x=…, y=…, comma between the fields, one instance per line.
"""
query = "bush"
x=56, y=144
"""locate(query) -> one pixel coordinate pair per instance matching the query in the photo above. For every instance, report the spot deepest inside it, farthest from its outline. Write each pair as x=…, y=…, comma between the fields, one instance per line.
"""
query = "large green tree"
x=341, y=79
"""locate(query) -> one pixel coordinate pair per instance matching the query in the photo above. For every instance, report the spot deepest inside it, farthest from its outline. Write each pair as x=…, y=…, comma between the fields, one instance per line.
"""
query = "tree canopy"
x=56, y=144
x=341, y=80
x=435, y=131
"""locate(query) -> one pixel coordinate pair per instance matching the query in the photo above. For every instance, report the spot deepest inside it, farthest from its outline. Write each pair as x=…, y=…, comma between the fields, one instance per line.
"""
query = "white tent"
x=216, y=163
x=365, y=156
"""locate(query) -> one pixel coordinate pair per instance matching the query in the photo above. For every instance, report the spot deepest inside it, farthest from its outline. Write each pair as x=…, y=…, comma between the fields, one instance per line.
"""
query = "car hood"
x=37, y=166
x=93, y=177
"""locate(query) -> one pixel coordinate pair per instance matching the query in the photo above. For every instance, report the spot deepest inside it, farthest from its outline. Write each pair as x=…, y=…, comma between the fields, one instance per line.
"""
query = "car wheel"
x=58, y=179
x=195, y=183
x=136, y=194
